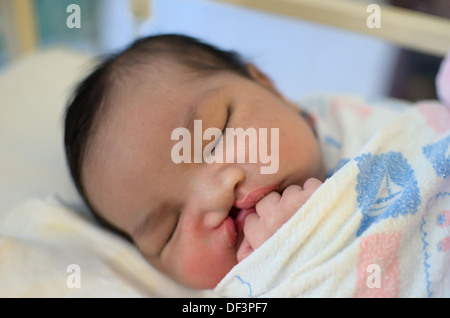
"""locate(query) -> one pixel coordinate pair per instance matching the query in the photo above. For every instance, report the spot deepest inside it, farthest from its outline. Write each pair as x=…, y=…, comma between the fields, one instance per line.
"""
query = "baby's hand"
x=272, y=212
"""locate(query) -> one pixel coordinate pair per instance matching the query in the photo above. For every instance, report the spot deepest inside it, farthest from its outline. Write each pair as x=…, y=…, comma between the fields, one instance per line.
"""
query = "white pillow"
x=34, y=91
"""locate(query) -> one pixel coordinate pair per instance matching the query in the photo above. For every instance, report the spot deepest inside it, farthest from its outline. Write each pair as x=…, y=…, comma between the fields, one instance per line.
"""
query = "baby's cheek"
x=201, y=260
x=192, y=263
x=203, y=268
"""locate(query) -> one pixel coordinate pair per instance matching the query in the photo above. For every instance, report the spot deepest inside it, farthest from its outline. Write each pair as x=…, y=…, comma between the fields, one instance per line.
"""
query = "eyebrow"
x=192, y=113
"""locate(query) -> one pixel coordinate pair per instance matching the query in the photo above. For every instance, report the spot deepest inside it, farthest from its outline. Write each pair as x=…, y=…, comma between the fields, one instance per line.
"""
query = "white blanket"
x=380, y=225
x=47, y=250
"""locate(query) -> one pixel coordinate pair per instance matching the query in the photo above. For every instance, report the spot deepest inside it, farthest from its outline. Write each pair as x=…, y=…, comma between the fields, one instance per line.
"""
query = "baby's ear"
x=261, y=78
x=264, y=80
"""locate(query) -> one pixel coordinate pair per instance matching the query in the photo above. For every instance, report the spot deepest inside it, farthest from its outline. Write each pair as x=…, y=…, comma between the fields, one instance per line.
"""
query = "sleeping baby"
x=357, y=205
x=193, y=221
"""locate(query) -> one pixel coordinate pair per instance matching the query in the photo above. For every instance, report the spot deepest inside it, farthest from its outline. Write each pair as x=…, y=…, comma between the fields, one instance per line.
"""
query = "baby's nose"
x=216, y=194
x=213, y=219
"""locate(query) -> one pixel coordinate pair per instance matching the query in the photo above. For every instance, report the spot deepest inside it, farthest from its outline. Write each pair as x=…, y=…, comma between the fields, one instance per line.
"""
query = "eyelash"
x=224, y=127
x=228, y=119
x=172, y=232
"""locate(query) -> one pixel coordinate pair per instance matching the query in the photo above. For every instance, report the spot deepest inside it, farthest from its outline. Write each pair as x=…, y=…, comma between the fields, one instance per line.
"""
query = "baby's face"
x=181, y=216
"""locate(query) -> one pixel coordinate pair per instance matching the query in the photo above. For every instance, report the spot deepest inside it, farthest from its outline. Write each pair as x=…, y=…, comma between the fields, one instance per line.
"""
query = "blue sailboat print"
x=386, y=187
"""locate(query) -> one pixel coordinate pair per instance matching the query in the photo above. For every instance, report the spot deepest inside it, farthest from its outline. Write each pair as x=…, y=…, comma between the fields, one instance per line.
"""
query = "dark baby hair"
x=93, y=94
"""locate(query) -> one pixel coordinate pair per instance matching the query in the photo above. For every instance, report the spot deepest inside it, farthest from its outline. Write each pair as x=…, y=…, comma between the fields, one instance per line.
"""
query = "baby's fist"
x=272, y=212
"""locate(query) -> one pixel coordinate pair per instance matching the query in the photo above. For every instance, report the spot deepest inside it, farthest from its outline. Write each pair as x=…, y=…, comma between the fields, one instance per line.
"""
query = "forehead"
x=130, y=152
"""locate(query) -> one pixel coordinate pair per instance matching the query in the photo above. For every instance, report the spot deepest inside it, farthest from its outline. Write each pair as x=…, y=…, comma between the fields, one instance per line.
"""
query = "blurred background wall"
x=301, y=57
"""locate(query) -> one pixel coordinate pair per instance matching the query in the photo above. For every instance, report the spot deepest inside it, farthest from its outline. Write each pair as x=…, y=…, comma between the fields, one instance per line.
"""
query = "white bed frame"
x=405, y=28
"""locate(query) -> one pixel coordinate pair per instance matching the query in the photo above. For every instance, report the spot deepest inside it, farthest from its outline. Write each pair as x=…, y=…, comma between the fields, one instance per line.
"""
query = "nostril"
x=213, y=219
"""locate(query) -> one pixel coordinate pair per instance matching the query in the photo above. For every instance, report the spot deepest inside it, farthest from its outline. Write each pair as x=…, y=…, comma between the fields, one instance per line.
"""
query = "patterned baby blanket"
x=380, y=224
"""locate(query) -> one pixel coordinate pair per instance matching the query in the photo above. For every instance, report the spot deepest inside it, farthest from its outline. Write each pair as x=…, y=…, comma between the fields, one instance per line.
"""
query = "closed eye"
x=223, y=130
x=227, y=120
x=174, y=228
x=171, y=234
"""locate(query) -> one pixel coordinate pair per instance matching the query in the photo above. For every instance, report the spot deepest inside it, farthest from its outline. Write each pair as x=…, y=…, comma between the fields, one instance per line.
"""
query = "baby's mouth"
x=239, y=216
x=248, y=207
